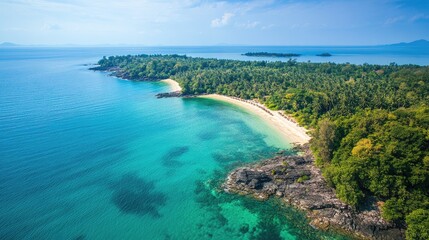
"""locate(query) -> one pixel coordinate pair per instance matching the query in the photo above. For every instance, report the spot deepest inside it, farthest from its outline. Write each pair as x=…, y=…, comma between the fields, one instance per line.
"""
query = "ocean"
x=84, y=155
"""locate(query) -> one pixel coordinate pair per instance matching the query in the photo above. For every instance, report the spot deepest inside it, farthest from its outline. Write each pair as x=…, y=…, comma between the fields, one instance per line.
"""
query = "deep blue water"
x=87, y=156
x=340, y=54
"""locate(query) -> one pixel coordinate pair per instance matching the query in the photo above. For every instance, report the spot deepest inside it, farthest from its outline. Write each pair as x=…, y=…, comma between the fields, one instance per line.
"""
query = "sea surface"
x=84, y=155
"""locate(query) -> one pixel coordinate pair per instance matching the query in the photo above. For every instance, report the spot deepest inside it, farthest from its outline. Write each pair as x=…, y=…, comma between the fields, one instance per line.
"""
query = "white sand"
x=175, y=87
x=291, y=131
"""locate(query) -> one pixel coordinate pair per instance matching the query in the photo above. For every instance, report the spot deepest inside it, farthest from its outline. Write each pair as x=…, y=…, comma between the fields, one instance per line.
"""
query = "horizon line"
x=12, y=44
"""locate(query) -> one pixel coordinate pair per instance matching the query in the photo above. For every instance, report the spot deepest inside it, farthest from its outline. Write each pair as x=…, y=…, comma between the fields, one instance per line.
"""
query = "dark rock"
x=278, y=177
x=251, y=179
x=300, y=161
x=123, y=74
x=169, y=94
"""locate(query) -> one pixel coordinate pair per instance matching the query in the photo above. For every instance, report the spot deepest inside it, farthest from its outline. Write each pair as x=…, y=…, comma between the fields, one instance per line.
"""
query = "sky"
x=211, y=22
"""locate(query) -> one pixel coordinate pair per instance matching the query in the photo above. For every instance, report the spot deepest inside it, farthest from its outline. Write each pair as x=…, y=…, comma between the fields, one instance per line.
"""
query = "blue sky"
x=210, y=22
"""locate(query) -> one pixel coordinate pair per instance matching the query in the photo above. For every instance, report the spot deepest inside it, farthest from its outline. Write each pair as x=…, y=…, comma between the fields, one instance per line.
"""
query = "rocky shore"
x=169, y=94
x=298, y=182
x=120, y=73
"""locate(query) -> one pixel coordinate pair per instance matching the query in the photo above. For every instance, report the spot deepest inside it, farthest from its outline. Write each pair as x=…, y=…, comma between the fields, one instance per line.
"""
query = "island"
x=365, y=170
x=413, y=44
x=267, y=54
x=324, y=55
x=8, y=44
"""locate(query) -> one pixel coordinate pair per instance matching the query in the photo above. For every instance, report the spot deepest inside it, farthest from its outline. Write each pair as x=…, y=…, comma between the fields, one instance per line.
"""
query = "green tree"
x=418, y=225
x=324, y=141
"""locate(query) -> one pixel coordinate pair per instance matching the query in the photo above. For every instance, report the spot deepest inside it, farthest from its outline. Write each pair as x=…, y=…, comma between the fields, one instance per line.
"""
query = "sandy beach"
x=291, y=131
x=288, y=129
x=175, y=87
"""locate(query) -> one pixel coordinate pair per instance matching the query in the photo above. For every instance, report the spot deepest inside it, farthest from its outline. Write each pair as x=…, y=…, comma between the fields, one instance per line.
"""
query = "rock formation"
x=298, y=182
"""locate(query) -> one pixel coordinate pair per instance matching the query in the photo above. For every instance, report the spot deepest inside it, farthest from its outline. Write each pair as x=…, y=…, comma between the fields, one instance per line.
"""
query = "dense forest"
x=370, y=122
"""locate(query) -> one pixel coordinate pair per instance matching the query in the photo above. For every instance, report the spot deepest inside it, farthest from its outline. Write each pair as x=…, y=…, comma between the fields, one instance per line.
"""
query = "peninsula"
x=369, y=134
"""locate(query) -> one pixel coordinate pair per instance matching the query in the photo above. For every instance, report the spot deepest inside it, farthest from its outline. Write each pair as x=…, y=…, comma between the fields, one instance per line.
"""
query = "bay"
x=87, y=156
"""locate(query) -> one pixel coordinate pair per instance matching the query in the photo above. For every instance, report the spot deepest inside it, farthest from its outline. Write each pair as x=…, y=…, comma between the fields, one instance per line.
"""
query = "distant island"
x=324, y=55
x=8, y=44
x=417, y=43
x=267, y=54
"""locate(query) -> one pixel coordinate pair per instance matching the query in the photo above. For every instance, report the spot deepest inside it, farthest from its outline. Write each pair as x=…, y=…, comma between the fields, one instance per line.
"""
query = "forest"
x=370, y=123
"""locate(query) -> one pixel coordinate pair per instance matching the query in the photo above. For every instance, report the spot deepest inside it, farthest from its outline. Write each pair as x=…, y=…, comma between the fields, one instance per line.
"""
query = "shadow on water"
x=275, y=219
x=241, y=217
x=134, y=195
x=230, y=159
x=252, y=149
x=80, y=237
x=207, y=135
x=170, y=159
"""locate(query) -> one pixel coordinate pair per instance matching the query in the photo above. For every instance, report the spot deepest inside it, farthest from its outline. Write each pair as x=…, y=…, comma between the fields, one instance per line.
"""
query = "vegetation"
x=418, y=225
x=371, y=122
x=302, y=179
x=267, y=54
x=379, y=153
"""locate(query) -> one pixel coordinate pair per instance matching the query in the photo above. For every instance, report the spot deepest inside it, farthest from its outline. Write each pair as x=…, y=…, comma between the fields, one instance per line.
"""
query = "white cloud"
x=51, y=27
x=267, y=26
x=419, y=17
x=249, y=25
x=223, y=21
x=166, y=22
x=394, y=20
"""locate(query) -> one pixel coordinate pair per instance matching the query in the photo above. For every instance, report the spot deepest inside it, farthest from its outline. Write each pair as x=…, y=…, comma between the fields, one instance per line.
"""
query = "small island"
x=267, y=54
x=324, y=55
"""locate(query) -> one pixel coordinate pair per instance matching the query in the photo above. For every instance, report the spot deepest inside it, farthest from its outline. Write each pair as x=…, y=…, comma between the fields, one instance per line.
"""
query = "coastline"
x=289, y=130
x=295, y=179
x=175, y=87
x=299, y=183
x=302, y=184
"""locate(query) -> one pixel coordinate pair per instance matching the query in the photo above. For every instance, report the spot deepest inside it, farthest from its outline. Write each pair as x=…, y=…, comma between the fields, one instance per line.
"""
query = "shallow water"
x=87, y=156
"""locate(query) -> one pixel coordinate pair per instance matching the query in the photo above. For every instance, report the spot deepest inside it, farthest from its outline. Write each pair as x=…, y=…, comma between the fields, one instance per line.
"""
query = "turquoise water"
x=87, y=156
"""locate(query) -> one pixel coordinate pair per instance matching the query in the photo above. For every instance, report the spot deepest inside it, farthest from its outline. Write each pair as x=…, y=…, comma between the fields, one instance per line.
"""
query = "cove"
x=88, y=156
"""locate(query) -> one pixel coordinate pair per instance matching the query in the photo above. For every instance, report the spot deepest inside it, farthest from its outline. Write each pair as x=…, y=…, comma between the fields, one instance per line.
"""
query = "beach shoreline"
x=175, y=87
x=289, y=130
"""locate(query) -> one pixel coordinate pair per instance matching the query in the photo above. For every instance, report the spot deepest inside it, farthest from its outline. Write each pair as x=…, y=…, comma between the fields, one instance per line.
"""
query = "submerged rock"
x=169, y=94
x=298, y=182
